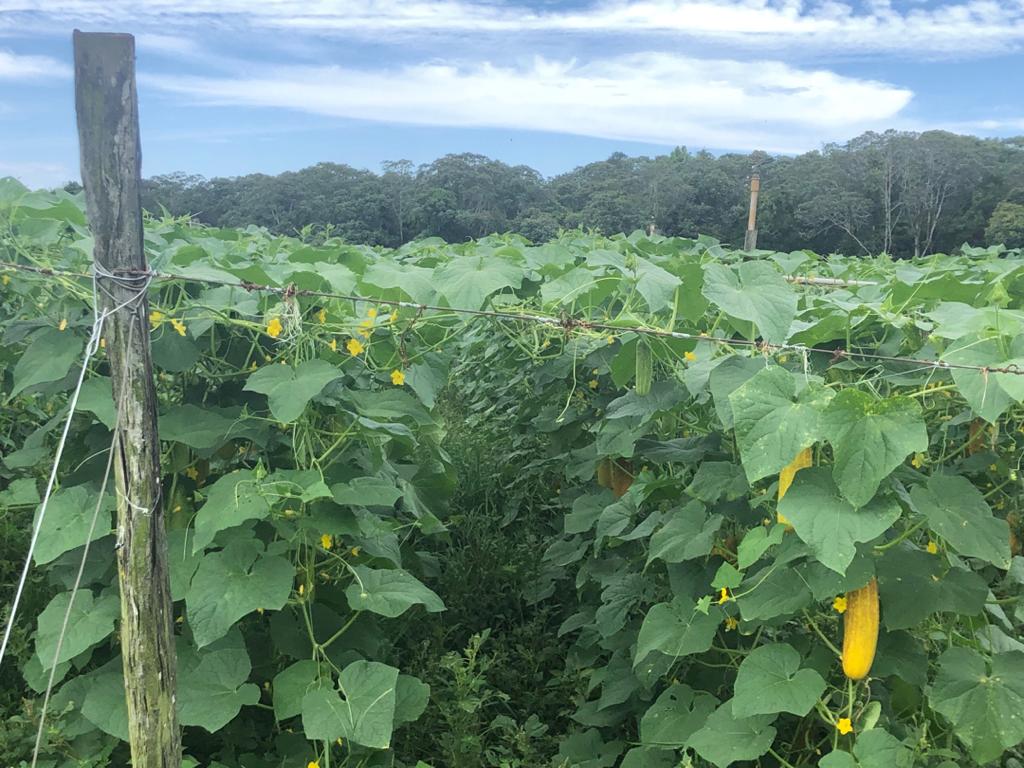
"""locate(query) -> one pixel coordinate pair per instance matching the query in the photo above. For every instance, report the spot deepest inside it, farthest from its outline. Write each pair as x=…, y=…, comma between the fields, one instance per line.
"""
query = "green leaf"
x=870, y=438
x=67, y=521
x=292, y=684
x=104, y=703
x=676, y=629
x=958, y=512
x=199, y=428
x=989, y=394
x=232, y=500
x=232, y=583
x=830, y=525
x=726, y=739
x=416, y=283
x=678, y=713
x=689, y=533
x=728, y=375
x=714, y=480
x=389, y=405
x=364, y=716
x=467, y=281
x=389, y=592
x=49, y=357
x=97, y=397
x=91, y=621
x=288, y=389
x=367, y=492
x=875, y=748
x=758, y=541
x=756, y=292
x=411, y=698
x=773, y=423
x=212, y=686
x=770, y=680
x=983, y=700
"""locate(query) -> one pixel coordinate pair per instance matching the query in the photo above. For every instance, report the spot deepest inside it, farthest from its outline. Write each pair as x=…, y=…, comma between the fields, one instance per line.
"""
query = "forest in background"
x=896, y=192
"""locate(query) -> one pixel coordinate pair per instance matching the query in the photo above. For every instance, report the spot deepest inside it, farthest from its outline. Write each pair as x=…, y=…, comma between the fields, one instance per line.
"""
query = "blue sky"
x=238, y=86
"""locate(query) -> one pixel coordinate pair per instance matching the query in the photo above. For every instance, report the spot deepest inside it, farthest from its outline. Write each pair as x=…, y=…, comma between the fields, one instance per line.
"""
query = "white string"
x=90, y=349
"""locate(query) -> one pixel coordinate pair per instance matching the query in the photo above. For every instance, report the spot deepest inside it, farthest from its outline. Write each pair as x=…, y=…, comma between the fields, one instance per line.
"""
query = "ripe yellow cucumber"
x=803, y=460
x=860, y=630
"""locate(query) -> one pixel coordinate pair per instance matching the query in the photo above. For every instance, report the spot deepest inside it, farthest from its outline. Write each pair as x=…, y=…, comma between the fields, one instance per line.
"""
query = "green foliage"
x=329, y=589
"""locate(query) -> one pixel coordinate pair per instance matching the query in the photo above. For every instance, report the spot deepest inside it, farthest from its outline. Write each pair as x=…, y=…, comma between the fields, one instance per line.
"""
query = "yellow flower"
x=611, y=339
x=933, y=548
x=393, y=316
x=254, y=366
x=6, y=279
x=546, y=344
x=592, y=383
x=844, y=726
x=333, y=345
x=397, y=377
x=839, y=604
x=731, y=623
x=313, y=764
x=322, y=316
x=178, y=326
x=326, y=541
x=302, y=589
x=191, y=473
x=156, y=317
x=63, y=325
x=723, y=596
x=689, y=356
x=918, y=461
x=355, y=551
x=371, y=312
x=365, y=328
x=274, y=327
x=354, y=347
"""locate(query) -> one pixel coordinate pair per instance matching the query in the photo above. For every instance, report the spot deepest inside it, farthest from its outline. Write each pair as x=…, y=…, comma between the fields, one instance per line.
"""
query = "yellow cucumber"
x=803, y=460
x=860, y=630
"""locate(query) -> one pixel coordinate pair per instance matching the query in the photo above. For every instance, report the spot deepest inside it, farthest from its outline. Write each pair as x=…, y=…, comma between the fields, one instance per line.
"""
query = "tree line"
x=899, y=192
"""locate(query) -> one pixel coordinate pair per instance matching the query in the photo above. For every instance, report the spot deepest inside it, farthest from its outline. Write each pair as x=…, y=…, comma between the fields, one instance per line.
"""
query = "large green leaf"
x=288, y=389
x=874, y=748
x=773, y=423
x=829, y=524
x=958, y=512
x=989, y=394
x=196, y=427
x=212, y=685
x=233, y=582
x=688, y=533
x=983, y=700
x=467, y=281
x=770, y=680
x=756, y=292
x=389, y=592
x=232, y=500
x=293, y=683
x=364, y=713
x=870, y=437
x=49, y=357
x=676, y=629
x=411, y=698
x=726, y=739
x=69, y=515
x=92, y=620
x=677, y=714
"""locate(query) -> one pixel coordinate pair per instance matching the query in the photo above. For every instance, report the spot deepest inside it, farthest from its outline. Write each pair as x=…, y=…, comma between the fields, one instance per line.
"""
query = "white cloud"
x=656, y=98
x=15, y=67
x=955, y=28
x=38, y=175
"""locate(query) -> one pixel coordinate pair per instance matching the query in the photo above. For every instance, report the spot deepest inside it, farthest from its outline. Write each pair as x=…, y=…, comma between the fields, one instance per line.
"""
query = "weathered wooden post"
x=108, y=133
x=750, y=240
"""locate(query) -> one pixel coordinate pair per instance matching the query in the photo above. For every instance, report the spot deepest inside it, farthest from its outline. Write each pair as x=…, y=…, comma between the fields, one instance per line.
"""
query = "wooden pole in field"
x=750, y=241
x=108, y=133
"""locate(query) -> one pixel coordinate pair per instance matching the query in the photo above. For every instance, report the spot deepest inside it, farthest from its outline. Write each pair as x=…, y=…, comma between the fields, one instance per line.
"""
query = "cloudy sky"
x=237, y=86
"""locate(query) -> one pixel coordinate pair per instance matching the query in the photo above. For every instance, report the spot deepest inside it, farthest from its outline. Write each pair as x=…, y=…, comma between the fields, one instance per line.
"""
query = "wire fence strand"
x=565, y=322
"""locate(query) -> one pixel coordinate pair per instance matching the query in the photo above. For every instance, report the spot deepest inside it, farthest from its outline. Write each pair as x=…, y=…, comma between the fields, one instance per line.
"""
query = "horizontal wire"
x=565, y=322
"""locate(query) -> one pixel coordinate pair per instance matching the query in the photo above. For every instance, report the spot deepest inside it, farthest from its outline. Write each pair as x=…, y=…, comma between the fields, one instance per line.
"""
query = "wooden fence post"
x=108, y=133
x=750, y=240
